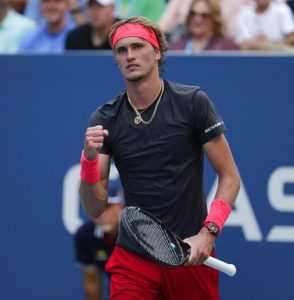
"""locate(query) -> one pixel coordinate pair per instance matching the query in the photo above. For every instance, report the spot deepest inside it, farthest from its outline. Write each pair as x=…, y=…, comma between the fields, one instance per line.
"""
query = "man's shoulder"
x=32, y=38
x=114, y=102
x=108, y=108
x=188, y=95
x=19, y=19
x=80, y=30
x=181, y=88
x=246, y=11
x=280, y=7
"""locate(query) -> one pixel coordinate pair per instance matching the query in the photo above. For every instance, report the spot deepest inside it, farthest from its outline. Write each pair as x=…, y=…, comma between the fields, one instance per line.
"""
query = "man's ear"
x=158, y=54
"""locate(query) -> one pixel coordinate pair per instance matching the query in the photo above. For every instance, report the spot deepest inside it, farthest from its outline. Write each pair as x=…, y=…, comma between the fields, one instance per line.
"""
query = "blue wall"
x=45, y=105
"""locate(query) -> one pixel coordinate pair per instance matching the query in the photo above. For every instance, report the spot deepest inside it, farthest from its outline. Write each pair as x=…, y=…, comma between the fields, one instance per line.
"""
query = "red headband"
x=135, y=30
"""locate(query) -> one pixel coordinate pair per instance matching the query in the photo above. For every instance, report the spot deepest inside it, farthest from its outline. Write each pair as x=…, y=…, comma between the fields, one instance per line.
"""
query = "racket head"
x=161, y=245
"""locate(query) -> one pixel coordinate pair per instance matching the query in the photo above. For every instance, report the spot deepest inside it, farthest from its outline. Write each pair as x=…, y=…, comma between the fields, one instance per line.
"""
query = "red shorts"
x=133, y=277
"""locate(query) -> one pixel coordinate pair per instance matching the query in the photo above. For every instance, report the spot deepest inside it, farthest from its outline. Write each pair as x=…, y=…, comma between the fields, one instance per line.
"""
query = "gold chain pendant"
x=137, y=120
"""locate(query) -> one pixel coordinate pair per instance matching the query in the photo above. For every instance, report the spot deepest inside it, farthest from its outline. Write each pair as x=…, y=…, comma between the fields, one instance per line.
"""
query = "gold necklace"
x=139, y=119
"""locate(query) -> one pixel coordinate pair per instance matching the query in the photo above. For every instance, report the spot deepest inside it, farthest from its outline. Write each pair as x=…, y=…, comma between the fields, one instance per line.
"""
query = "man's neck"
x=260, y=9
x=56, y=27
x=142, y=94
x=201, y=41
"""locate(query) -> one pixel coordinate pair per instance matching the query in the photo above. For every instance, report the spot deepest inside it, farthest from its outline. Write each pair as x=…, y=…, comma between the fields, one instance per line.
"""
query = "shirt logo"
x=220, y=123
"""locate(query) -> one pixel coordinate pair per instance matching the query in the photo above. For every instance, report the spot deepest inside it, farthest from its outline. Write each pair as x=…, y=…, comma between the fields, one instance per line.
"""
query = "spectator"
x=75, y=11
x=18, y=5
x=94, y=242
x=50, y=36
x=94, y=35
x=152, y=9
x=230, y=9
x=204, y=29
x=13, y=27
x=268, y=25
x=172, y=21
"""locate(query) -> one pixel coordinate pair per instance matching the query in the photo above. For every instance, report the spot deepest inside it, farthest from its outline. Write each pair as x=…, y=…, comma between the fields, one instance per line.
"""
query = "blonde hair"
x=163, y=46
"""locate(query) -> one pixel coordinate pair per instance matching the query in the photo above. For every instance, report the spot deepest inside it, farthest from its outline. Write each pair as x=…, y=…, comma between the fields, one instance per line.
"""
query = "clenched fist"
x=94, y=138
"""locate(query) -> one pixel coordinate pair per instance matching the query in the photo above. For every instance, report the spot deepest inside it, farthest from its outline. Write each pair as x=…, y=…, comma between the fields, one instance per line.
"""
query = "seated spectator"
x=204, y=29
x=50, y=36
x=13, y=28
x=230, y=9
x=151, y=9
x=94, y=242
x=75, y=11
x=175, y=13
x=172, y=21
x=94, y=35
x=268, y=25
x=18, y=5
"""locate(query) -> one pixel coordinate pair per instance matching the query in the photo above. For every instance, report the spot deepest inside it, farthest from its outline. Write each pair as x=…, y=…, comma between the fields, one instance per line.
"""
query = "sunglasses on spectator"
x=204, y=15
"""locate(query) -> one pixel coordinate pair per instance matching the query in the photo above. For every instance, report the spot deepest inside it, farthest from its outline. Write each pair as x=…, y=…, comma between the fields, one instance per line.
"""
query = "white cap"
x=106, y=2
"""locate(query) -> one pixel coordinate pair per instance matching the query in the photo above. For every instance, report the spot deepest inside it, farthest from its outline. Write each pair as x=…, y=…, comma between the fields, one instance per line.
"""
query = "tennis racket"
x=163, y=246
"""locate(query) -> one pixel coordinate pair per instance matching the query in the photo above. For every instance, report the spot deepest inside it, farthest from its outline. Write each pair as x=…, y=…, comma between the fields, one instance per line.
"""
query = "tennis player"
x=158, y=132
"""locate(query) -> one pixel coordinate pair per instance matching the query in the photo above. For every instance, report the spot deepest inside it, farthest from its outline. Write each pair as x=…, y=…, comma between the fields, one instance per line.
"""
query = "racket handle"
x=221, y=266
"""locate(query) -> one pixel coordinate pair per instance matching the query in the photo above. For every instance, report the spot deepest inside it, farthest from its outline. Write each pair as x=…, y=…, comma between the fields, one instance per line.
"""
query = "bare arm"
x=77, y=13
x=290, y=39
x=262, y=43
x=220, y=157
x=94, y=196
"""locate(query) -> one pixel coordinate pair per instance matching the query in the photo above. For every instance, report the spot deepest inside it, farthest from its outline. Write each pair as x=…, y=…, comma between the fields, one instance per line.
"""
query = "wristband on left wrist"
x=217, y=216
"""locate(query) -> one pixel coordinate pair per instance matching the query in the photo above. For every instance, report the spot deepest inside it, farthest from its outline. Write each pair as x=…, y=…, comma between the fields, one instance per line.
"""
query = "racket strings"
x=154, y=239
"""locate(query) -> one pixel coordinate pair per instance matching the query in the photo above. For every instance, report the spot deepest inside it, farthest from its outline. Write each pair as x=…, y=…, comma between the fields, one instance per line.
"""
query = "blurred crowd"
x=191, y=26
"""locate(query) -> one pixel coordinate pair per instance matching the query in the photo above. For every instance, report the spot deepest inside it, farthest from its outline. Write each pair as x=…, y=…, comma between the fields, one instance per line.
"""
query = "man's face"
x=136, y=58
x=100, y=15
x=3, y=5
x=263, y=3
x=54, y=10
x=200, y=20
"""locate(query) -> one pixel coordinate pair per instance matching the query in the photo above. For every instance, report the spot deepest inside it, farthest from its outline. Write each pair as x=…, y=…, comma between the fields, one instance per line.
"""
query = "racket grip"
x=221, y=266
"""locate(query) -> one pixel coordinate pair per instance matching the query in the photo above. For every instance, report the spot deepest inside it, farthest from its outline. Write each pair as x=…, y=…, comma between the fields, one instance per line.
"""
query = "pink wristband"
x=89, y=169
x=219, y=213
